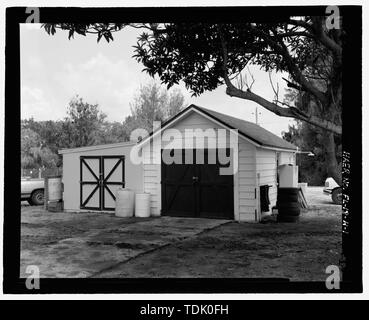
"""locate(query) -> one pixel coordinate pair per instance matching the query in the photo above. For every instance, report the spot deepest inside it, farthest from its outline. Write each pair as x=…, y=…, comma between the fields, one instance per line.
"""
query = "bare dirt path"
x=101, y=245
x=82, y=245
x=297, y=251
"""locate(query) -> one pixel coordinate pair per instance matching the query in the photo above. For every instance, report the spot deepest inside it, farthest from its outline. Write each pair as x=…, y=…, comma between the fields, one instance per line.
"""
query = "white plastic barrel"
x=142, y=205
x=124, y=202
x=54, y=187
x=288, y=175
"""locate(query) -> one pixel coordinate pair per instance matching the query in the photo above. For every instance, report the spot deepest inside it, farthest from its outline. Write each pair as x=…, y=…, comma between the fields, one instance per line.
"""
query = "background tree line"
x=86, y=125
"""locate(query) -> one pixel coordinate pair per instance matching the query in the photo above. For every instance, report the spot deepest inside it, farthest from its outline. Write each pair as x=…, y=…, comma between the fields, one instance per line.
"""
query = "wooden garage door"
x=196, y=190
x=100, y=177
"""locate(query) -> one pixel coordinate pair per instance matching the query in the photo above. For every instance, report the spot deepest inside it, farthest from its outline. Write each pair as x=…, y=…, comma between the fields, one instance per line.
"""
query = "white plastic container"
x=288, y=176
x=124, y=203
x=142, y=205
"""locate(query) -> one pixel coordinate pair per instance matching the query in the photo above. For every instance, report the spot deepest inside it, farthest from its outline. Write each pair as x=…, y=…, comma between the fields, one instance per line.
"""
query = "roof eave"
x=97, y=147
x=278, y=148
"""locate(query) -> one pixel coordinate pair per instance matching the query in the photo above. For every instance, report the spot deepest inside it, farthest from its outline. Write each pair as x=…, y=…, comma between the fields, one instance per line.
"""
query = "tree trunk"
x=333, y=168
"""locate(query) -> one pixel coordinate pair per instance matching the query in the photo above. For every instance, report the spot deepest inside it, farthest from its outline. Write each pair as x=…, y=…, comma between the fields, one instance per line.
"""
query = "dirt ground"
x=101, y=245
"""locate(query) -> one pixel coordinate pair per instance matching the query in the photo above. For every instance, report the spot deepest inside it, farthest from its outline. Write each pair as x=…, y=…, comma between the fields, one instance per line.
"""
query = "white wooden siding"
x=151, y=179
x=195, y=121
x=246, y=181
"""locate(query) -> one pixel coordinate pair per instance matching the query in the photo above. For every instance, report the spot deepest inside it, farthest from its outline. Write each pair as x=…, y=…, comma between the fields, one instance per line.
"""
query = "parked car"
x=32, y=190
x=332, y=188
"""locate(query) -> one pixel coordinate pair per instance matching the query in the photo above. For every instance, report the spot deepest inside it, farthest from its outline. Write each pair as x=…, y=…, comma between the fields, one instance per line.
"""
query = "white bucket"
x=142, y=205
x=124, y=203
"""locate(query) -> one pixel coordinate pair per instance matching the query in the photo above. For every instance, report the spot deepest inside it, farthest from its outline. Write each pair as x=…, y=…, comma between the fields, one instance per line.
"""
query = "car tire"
x=337, y=196
x=37, y=197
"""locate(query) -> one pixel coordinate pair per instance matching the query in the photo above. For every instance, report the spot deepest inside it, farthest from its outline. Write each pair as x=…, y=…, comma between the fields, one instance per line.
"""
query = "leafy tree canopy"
x=34, y=153
x=327, y=148
x=153, y=103
x=204, y=56
x=86, y=125
x=207, y=55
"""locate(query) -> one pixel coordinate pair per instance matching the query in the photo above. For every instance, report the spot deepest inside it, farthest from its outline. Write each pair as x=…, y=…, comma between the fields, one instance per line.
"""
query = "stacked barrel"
x=288, y=205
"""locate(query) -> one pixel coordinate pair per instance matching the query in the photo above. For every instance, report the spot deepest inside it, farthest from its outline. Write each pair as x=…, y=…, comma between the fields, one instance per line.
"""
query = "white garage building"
x=208, y=186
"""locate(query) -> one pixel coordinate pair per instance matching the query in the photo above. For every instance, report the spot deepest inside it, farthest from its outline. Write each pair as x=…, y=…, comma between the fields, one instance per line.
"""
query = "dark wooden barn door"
x=100, y=177
x=215, y=191
x=196, y=190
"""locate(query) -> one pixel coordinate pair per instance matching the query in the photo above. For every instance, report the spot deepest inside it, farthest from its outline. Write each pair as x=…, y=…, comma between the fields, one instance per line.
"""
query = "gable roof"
x=251, y=131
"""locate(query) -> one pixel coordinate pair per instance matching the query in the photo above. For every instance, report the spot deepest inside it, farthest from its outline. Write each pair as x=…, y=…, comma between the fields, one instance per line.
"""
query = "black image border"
x=351, y=142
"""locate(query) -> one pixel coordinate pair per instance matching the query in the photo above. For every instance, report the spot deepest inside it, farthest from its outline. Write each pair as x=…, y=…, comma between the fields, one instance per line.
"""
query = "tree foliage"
x=205, y=55
x=326, y=147
x=153, y=103
x=313, y=169
x=223, y=51
x=86, y=125
x=83, y=123
x=34, y=153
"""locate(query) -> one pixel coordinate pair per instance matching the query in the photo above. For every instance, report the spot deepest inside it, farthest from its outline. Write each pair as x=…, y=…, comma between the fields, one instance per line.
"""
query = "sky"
x=55, y=69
